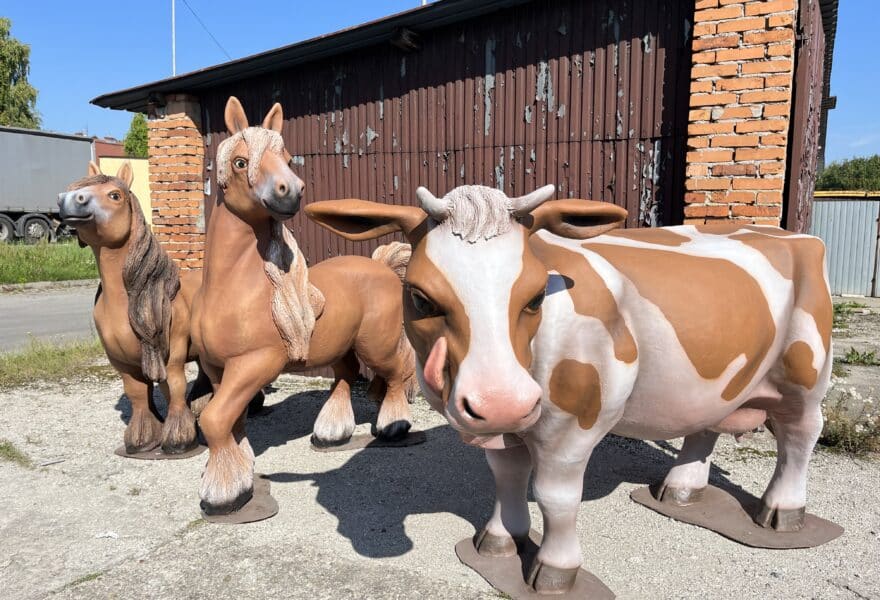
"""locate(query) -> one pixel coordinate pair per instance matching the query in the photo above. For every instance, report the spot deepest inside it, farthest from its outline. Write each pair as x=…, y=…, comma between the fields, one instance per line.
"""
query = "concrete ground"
x=377, y=523
x=54, y=313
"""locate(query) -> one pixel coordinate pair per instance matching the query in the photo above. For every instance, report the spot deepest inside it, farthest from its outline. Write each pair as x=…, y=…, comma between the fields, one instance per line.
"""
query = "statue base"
x=367, y=440
x=157, y=454
x=261, y=506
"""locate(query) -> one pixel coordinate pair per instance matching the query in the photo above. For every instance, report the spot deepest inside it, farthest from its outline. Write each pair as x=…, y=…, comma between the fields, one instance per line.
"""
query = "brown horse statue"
x=142, y=309
x=261, y=312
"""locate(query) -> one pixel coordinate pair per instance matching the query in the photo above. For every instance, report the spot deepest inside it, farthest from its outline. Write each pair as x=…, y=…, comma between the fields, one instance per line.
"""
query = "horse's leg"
x=797, y=423
x=510, y=520
x=200, y=393
x=179, y=430
x=227, y=483
x=685, y=482
x=144, y=428
x=335, y=422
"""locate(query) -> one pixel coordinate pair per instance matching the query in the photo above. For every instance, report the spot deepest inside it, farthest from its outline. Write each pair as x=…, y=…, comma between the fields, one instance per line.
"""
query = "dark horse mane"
x=151, y=280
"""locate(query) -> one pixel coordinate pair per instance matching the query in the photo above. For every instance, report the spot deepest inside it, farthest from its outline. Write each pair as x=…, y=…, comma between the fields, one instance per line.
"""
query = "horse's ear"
x=274, y=118
x=235, y=118
x=94, y=169
x=359, y=220
x=125, y=173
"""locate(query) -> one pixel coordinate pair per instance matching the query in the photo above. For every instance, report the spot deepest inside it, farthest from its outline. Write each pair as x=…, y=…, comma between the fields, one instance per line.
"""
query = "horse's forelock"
x=258, y=140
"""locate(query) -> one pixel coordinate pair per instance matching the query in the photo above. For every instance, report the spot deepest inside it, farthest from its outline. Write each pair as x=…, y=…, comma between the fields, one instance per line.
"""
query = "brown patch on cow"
x=812, y=294
x=718, y=311
x=776, y=251
x=589, y=293
x=651, y=235
x=452, y=321
x=524, y=323
x=576, y=389
x=798, y=361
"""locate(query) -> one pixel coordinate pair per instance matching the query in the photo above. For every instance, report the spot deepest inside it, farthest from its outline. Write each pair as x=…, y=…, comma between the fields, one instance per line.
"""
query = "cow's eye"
x=535, y=304
x=424, y=306
x=239, y=163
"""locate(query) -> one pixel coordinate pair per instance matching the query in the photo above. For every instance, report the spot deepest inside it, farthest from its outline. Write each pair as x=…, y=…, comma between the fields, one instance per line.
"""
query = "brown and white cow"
x=536, y=323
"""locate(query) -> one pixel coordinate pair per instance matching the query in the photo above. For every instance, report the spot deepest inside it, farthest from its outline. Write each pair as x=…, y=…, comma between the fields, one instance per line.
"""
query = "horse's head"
x=100, y=207
x=253, y=168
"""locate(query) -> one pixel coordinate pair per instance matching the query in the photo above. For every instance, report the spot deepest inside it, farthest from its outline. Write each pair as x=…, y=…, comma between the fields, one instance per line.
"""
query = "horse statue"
x=142, y=311
x=261, y=311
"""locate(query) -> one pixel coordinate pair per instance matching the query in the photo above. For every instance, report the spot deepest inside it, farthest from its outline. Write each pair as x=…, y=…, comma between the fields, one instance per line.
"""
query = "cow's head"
x=474, y=289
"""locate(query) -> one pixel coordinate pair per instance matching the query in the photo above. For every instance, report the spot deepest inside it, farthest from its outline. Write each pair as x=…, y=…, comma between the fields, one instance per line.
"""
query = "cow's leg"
x=144, y=428
x=686, y=481
x=394, y=419
x=510, y=520
x=796, y=425
x=335, y=422
x=227, y=482
x=179, y=429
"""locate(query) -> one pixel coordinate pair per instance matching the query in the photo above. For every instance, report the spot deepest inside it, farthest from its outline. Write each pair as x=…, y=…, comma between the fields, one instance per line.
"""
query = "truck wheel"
x=7, y=229
x=36, y=230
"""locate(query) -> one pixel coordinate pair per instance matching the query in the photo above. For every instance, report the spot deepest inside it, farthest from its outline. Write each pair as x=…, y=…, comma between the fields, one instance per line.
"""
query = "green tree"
x=18, y=98
x=135, y=141
x=853, y=174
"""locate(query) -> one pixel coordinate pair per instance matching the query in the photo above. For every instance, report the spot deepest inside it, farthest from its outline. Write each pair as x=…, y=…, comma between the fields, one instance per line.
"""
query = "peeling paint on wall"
x=499, y=170
x=298, y=160
x=489, y=85
x=527, y=114
x=371, y=135
x=646, y=43
x=560, y=112
x=544, y=85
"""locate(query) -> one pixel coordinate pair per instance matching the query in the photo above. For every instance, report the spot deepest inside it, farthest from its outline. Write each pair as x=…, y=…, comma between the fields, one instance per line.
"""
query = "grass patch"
x=81, y=580
x=838, y=370
x=46, y=360
x=23, y=263
x=10, y=453
x=746, y=452
x=842, y=311
x=851, y=430
x=134, y=491
x=867, y=358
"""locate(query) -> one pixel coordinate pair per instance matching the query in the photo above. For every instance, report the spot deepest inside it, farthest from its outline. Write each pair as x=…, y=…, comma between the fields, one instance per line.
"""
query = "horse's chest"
x=231, y=326
x=117, y=336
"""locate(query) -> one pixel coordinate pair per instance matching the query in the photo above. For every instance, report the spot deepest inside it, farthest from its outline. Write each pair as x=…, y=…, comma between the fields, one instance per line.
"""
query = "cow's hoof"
x=680, y=496
x=781, y=519
x=545, y=579
x=227, y=507
x=396, y=430
x=319, y=442
x=496, y=546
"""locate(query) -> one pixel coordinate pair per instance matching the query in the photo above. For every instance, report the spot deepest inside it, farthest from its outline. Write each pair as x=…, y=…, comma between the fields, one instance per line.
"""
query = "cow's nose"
x=469, y=410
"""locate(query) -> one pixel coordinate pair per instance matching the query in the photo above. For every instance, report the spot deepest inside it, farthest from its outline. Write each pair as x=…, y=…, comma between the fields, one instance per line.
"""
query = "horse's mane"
x=151, y=280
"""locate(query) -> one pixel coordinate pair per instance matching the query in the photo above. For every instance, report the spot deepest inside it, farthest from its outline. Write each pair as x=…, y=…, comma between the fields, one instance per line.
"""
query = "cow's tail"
x=396, y=255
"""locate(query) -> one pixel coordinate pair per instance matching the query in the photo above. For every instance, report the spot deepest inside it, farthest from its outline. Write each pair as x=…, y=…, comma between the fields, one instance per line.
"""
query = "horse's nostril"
x=470, y=411
x=282, y=189
x=81, y=198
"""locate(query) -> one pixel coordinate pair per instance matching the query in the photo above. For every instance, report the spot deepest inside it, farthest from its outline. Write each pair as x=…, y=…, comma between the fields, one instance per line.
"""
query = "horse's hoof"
x=680, y=496
x=140, y=448
x=394, y=431
x=324, y=443
x=228, y=507
x=781, y=519
x=180, y=448
x=496, y=546
x=545, y=579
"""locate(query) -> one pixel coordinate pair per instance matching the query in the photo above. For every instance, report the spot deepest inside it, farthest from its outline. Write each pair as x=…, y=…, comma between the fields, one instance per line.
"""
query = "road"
x=56, y=314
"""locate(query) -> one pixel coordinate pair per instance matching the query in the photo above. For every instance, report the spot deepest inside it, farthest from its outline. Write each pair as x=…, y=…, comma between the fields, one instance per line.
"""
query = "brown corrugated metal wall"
x=589, y=95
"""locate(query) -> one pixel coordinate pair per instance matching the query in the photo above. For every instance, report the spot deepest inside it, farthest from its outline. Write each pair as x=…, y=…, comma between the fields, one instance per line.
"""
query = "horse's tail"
x=396, y=255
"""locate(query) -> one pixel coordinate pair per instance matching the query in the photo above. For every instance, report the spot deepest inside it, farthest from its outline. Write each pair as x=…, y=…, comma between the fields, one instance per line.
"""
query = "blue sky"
x=82, y=49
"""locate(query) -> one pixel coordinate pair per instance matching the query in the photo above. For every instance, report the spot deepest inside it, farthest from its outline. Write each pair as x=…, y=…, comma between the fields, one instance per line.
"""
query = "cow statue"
x=539, y=327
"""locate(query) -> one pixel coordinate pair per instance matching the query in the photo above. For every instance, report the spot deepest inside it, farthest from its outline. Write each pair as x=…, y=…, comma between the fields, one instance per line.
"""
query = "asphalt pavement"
x=46, y=314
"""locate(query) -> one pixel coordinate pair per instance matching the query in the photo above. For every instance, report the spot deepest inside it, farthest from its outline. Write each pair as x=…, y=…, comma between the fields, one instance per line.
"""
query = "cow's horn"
x=437, y=208
x=525, y=204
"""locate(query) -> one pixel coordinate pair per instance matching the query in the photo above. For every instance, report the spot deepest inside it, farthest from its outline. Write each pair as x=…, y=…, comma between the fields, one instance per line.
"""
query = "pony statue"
x=261, y=312
x=142, y=311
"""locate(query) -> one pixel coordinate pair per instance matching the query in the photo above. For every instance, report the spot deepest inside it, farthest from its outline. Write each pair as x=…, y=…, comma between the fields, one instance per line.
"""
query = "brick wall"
x=741, y=85
x=177, y=154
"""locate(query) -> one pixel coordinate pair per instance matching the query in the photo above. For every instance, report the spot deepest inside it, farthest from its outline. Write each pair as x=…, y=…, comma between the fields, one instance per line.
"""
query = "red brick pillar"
x=177, y=153
x=741, y=85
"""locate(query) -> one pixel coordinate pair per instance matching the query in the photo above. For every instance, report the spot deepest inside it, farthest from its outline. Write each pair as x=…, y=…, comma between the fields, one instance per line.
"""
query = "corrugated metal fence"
x=849, y=224
x=591, y=96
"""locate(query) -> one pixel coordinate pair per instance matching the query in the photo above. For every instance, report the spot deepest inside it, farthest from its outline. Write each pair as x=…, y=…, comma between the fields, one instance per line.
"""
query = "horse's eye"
x=239, y=163
x=424, y=307
x=114, y=196
x=535, y=304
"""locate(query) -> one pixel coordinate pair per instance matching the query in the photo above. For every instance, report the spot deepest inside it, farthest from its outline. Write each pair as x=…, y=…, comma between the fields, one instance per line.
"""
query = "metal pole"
x=173, y=41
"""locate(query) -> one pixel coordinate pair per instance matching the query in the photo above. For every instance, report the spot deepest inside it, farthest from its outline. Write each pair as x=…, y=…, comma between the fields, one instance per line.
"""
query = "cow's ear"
x=575, y=219
x=359, y=220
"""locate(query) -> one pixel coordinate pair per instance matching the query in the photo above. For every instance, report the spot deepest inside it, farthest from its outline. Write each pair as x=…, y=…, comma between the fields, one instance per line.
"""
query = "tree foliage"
x=18, y=98
x=135, y=141
x=852, y=174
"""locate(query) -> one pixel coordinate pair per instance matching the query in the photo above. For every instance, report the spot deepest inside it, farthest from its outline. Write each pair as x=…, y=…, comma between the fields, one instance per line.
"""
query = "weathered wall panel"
x=849, y=228
x=591, y=96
